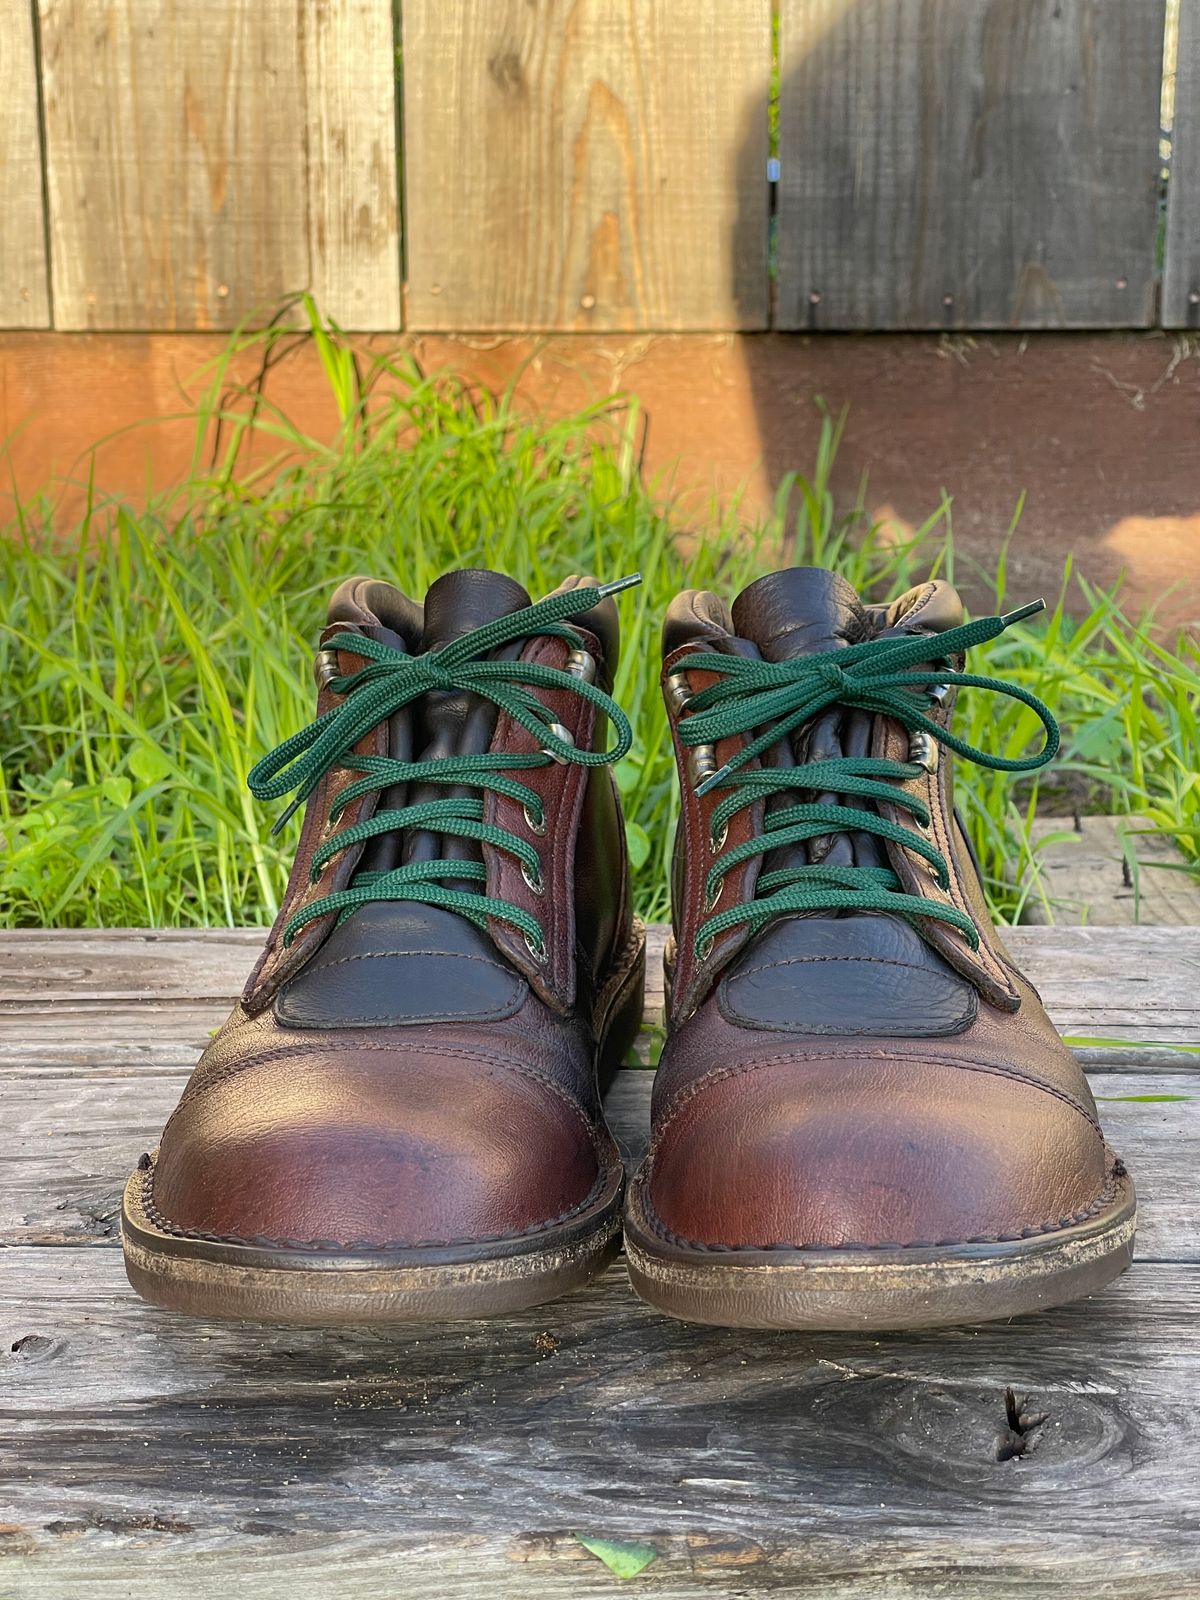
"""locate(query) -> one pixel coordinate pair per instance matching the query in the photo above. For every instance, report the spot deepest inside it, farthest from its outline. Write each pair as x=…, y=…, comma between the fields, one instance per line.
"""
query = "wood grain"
x=205, y=162
x=24, y=279
x=968, y=163
x=128, y=1001
x=1181, y=266
x=1110, y=872
x=350, y=161
x=586, y=164
x=459, y=1459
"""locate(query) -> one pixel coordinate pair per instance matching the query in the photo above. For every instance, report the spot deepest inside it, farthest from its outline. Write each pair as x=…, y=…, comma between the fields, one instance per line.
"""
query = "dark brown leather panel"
x=560, y=789
x=278, y=962
x=986, y=965
x=696, y=853
x=402, y=964
x=842, y=976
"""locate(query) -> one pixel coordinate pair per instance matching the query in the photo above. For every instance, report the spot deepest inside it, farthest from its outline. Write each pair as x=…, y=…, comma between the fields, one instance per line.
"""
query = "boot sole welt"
x=333, y=1288
x=878, y=1289
x=328, y=1287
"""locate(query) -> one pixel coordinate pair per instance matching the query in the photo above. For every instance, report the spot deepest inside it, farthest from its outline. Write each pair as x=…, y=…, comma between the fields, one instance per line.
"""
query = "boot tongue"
x=836, y=972
x=449, y=723
x=800, y=612
x=459, y=602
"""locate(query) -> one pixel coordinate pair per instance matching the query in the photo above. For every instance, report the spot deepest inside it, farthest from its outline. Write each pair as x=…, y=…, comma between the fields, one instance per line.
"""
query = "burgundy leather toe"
x=853, y=1151
x=383, y=1148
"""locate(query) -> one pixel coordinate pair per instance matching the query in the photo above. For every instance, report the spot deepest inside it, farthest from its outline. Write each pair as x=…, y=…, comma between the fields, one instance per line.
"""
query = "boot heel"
x=619, y=1019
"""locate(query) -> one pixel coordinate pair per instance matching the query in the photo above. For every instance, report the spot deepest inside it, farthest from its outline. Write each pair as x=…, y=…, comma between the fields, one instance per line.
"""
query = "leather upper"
x=402, y=1076
x=849, y=1079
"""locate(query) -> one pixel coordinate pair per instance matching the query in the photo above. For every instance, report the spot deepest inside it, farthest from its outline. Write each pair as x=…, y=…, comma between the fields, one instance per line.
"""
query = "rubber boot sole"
x=877, y=1289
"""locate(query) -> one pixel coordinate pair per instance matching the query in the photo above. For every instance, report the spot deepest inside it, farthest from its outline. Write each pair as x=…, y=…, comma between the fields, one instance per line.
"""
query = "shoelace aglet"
x=630, y=582
x=293, y=806
x=1030, y=610
x=714, y=779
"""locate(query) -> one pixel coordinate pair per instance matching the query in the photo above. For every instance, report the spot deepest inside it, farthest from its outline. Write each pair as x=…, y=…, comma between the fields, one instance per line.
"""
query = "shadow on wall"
x=935, y=197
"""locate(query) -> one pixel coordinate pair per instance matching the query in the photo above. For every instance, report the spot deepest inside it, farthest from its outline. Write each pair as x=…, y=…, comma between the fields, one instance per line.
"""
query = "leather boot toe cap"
x=382, y=1147
x=867, y=1152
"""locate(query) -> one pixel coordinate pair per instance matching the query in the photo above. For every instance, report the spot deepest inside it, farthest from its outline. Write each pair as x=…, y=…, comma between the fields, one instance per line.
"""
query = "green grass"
x=147, y=659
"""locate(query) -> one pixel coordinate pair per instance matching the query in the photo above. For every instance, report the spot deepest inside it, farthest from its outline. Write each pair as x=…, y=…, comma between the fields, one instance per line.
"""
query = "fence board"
x=592, y=165
x=24, y=289
x=1181, y=269
x=204, y=162
x=350, y=164
x=968, y=163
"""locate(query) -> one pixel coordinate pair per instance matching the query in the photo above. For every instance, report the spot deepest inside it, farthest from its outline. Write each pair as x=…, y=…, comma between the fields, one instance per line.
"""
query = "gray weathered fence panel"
x=205, y=161
x=968, y=163
x=1181, y=269
x=586, y=166
x=24, y=289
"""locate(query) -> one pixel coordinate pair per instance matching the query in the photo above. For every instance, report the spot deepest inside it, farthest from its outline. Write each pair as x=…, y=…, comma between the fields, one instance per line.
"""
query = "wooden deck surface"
x=142, y=1452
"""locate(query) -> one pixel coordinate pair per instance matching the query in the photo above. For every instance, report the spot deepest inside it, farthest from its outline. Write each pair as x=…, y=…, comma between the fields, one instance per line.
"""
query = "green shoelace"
x=392, y=680
x=881, y=676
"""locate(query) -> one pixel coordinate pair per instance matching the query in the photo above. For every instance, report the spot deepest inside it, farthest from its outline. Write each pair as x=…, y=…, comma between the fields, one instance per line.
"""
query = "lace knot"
x=832, y=675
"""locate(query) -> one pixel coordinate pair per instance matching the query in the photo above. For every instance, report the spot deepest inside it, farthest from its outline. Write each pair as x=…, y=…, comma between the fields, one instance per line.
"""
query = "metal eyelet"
x=940, y=693
x=712, y=899
x=565, y=736
x=718, y=843
x=701, y=764
x=537, y=951
x=326, y=668
x=533, y=823
x=677, y=694
x=536, y=884
x=924, y=750
x=581, y=665
x=704, y=948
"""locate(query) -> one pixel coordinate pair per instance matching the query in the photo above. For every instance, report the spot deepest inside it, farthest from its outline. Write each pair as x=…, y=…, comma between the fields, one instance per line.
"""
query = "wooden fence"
x=594, y=165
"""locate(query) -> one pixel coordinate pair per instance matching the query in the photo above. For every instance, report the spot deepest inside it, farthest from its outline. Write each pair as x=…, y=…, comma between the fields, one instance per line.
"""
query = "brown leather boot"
x=401, y=1119
x=863, y=1117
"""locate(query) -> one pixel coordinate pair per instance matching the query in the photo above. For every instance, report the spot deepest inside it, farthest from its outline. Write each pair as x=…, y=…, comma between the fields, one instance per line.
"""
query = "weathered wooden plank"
x=350, y=161
x=586, y=164
x=1110, y=872
x=462, y=1457
x=968, y=163
x=71, y=1142
x=554, y=1566
x=204, y=162
x=117, y=1001
x=1181, y=265
x=24, y=279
